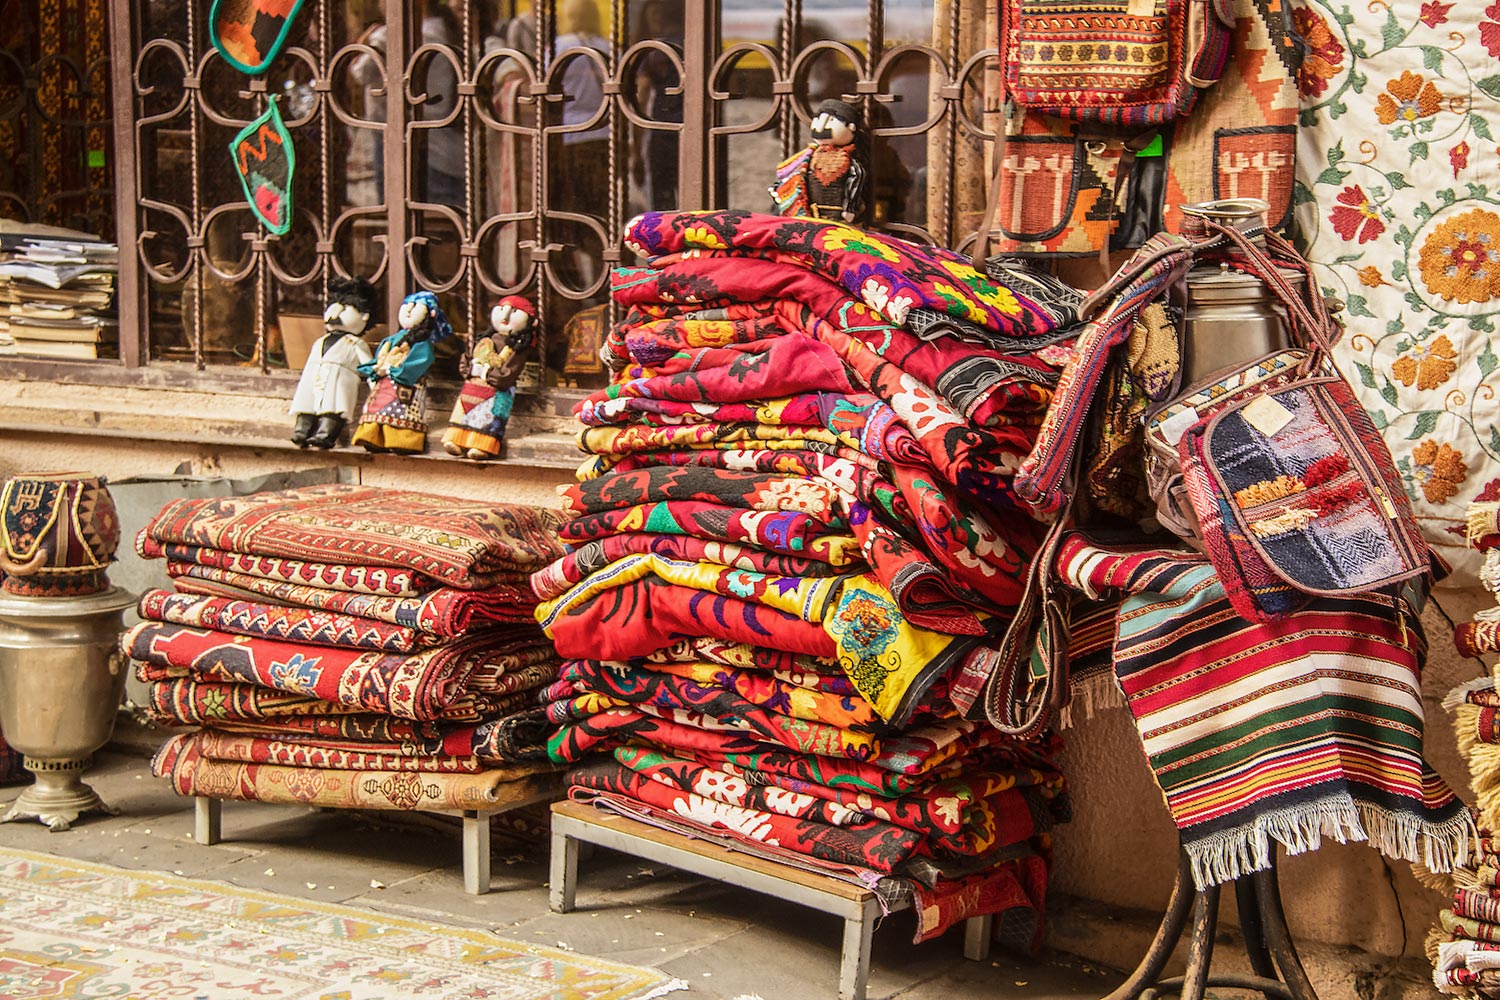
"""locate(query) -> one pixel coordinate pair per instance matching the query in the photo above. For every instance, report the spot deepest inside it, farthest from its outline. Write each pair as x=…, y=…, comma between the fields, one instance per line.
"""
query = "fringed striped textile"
x=1288, y=731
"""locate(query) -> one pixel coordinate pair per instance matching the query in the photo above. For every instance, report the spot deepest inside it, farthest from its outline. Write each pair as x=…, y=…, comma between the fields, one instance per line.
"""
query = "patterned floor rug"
x=75, y=929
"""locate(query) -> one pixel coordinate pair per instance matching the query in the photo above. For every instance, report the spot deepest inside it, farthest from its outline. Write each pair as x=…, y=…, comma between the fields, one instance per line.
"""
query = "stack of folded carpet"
x=792, y=544
x=1465, y=945
x=346, y=646
x=1482, y=635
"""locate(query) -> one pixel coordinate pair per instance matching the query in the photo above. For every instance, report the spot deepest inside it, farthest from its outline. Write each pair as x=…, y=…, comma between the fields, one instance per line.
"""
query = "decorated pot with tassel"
x=58, y=535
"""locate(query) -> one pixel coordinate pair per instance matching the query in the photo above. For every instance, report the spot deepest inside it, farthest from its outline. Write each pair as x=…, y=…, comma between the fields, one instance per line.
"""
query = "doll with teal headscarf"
x=395, y=415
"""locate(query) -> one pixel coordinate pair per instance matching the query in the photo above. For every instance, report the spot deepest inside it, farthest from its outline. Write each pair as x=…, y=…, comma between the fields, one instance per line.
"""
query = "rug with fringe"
x=1288, y=732
x=75, y=929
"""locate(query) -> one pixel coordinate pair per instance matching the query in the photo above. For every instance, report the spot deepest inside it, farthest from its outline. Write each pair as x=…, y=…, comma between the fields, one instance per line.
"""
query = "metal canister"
x=1232, y=318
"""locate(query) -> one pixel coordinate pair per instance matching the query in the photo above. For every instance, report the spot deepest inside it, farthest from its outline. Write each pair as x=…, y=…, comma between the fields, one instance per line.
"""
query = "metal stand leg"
x=1258, y=899
x=1201, y=945
x=1279, y=936
x=854, y=969
x=476, y=852
x=1167, y=935
x=1247, y=902
x=563, y=885
x=977, y=934
x=207, y=820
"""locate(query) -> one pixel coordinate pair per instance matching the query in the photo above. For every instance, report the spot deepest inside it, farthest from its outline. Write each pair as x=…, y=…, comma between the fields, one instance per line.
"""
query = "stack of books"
x=56, y=295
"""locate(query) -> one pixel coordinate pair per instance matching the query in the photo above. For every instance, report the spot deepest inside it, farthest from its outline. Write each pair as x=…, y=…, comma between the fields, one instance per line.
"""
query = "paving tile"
x=629, y=910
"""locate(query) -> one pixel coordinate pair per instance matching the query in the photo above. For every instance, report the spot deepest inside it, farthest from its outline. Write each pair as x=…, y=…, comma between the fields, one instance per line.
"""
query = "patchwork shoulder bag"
x=1290, y=488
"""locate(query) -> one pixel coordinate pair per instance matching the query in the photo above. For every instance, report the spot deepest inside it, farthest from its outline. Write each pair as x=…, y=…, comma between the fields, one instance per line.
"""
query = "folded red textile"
x=837, y=684
x=740, y=697
x=647, y=614
x=274, y=621
x=784, y=364
x=808, y=409
x=787, y=532
x=385, y=581
x=755, y=491
x=644, y=337
x=743, y=655
x=358, y=727
x=446, y=612
x=182, y=762
x=1014, y=893
x=440, y=537
x=412, y=686
x=871, y=844
x=592, y=556
x=513, y=673
x=846, y=468
x=344, y=755
x=888, y=272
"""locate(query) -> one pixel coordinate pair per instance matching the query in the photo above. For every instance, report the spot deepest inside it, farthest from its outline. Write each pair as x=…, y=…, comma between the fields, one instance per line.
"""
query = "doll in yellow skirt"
x=477, y=425
x=395, y=415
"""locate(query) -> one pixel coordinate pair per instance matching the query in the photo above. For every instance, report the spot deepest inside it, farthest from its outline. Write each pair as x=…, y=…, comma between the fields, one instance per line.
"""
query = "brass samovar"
x=61, y=673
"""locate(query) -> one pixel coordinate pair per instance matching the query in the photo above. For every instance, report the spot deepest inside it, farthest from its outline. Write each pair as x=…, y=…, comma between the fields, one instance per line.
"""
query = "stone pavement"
x=724, y=942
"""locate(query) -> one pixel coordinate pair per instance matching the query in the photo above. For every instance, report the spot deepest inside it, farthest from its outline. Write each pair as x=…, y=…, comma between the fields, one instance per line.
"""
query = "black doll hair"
x=356, y=292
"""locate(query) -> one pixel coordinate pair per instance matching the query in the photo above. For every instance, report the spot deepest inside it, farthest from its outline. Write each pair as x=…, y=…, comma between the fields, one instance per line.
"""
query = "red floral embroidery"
x=1435, y=13
x=1325, y=56
x=1489, y=31
x=1458, y=156
x=1354, y=213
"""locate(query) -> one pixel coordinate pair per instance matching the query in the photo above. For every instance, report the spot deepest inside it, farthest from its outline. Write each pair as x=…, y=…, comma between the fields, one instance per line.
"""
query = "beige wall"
x=1120, y=849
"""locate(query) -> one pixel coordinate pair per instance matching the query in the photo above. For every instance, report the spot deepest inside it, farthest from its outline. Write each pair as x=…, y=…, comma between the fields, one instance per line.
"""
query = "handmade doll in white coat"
x=328, y=391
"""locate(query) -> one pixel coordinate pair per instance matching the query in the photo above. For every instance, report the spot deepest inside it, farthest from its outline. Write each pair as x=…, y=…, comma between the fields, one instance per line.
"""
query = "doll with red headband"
x=490, y=367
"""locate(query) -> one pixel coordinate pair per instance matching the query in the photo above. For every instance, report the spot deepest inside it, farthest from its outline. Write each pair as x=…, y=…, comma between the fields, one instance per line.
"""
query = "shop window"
x=480, y=148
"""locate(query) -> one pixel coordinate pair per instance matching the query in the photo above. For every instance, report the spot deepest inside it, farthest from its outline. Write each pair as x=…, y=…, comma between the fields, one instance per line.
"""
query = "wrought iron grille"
x=481, y=148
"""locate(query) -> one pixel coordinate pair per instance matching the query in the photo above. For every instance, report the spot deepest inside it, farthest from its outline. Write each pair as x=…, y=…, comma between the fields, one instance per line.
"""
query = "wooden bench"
x=208, y=829
x=574, y=823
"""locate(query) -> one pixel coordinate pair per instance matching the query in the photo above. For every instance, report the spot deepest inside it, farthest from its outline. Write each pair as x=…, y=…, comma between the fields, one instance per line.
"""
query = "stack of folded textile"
x=1465, y=945
x=794, y=535
x=1482, y=635
x=346, y=646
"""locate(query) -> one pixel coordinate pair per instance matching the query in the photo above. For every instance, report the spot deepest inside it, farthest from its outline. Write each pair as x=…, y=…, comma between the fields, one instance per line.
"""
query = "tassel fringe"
x=1228, y=854
x=1436, y=881
x=1094, y=693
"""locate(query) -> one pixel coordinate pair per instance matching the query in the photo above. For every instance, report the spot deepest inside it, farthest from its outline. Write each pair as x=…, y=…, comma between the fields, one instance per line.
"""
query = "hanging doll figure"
x=828, y=179
x=477, y=425
x=395, y=415
x=328, y=390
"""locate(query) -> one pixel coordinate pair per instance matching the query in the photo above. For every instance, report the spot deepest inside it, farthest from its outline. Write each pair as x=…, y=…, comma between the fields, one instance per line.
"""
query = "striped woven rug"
x=1288, y=732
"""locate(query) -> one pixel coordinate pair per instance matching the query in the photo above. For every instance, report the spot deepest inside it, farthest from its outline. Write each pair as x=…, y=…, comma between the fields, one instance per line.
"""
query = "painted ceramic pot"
x=58, y=535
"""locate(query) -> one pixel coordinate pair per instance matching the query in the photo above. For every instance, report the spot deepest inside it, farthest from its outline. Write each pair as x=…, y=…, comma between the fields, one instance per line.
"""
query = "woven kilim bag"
x=1117, y=62
x=1294, y=491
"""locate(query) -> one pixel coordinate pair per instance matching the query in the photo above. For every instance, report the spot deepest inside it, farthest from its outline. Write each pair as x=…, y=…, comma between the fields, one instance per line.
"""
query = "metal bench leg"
x=207, y=820
x=854, y=968
x=476, y=852
x=563, y=885
x=977, y=934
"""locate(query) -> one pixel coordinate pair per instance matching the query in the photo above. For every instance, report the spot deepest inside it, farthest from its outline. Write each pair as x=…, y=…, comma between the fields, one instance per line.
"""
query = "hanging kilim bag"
x=1294, y=491
x=249, y=33
x=265, y=161
x=1118, y=62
